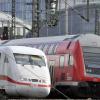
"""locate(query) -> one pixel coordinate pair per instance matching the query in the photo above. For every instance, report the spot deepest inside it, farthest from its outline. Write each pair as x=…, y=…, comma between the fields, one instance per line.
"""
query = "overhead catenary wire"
x=58, y=13
x=78, y=13
x=74, y=9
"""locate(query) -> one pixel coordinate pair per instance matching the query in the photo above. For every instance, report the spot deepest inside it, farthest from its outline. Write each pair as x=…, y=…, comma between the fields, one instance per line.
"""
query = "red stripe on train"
x=41, y=85
x=3, y=77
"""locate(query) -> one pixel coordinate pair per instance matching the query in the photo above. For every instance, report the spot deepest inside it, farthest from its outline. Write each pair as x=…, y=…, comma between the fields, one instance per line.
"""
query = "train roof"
x=23, y=50
x=85, y=40
x=89, y=40
x=39, y=40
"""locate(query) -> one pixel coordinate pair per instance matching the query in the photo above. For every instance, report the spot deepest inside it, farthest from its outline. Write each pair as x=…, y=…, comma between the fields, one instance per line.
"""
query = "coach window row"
x=50, y=47
x=69, y=60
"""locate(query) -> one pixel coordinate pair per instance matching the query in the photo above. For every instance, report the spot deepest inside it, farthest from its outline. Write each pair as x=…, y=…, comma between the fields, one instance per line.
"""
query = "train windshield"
x=26, y=59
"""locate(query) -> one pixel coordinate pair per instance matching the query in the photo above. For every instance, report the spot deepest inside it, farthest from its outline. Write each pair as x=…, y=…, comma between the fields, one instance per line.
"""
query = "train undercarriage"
x=83, y=90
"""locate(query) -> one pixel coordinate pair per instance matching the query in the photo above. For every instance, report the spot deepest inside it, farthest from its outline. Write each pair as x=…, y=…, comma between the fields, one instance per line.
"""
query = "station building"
x=21, y=28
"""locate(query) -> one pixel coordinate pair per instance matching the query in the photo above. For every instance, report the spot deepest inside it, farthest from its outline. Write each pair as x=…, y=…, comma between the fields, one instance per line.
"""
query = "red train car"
x=69, y=70
x=69, y=67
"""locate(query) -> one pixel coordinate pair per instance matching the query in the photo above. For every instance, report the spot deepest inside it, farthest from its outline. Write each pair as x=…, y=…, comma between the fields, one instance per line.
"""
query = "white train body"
x=20, y=76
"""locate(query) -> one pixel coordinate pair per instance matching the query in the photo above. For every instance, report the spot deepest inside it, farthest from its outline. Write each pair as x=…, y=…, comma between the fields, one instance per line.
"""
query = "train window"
x=71, y=60
x=25, y=59
x=37, y=60
x=41, y=47
x=6, y=59
x=67, y=59
x=45, y=48
x=55, y=48
x=22, y=59
x=61, y=61
x=51, y=50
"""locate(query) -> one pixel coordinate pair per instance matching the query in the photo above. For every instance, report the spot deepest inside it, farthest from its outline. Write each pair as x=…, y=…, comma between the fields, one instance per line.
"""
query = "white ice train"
x=24, y=72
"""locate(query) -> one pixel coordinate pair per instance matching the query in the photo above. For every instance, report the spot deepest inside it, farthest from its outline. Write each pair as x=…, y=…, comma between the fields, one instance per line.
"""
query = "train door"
x=60, y=70
x=65, y=70
x=69, y=67
x=51, y=69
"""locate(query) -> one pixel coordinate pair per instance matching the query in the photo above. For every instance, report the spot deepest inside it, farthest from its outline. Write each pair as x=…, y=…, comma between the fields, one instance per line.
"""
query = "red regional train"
x=74, y=70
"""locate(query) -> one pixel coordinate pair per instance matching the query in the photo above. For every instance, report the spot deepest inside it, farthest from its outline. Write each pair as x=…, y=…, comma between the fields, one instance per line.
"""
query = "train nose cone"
x=45, y=92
